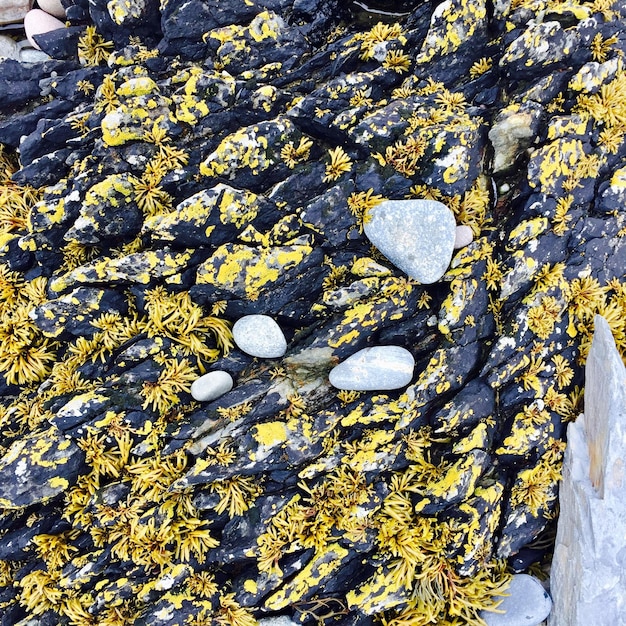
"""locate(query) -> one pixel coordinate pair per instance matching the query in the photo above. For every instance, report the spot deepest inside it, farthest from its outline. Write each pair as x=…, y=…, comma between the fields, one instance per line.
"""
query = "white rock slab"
x=260, y=336
x=211, y=386
x=13, y=11
x=417, y=236
x=588, y=575
x=527, y=604
x=374, y=369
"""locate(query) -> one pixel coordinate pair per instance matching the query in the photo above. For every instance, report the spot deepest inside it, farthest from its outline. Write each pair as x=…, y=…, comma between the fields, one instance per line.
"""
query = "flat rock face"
x=588, y=576
x=526, y=604
x=260, y=336
x=376, y=368
x=417, y=236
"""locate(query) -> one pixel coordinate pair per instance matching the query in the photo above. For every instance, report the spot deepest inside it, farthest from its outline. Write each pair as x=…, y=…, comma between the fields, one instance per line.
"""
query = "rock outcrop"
x=178, y=166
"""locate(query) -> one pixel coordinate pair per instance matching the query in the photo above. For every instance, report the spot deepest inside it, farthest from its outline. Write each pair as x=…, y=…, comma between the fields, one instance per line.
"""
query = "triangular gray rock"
x=374, y=369
x=417, y=236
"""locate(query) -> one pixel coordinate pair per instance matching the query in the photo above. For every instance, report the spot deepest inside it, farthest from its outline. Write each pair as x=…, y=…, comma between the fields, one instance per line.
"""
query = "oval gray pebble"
x=260, y=336
x=374, y=369
x=211, y=386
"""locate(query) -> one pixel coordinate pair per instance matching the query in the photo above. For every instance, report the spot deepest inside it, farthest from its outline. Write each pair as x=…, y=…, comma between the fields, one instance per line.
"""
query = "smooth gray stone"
x=374, y=369
x=259, y=335
x=8, y=48
x=417, y=236
x=211, y=386
x=527, y=604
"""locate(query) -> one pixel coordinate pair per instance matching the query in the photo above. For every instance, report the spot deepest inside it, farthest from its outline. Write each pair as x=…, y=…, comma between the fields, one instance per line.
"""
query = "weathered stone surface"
x=513, y=131
x=37, y=468
x=108, y=211
x=542, y=45
x=415, y=235
x=587, y=578
x=139, y=267
x=255, y=140
x=526, y=603
x=8, y=48
x=260, y=336
x=375, y=368
x=74, y=313
x=211, y=386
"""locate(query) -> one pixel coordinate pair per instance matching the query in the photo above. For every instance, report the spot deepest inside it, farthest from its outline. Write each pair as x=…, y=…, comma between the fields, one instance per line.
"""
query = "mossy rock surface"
x=185, y=165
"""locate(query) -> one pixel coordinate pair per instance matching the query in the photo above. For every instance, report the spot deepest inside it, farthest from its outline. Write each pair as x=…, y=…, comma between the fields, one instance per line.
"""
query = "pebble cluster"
x=207, y=213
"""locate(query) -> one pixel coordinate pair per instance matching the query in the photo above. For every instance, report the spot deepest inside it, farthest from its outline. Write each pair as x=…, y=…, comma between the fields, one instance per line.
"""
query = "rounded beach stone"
x=417, y=236
x=259, y=335
x=13, y=11
x=527, y=603
x=54, y=7
x=38, y=22
x=211, y=386
x=8, y=48
x=463, y=237
x=374, y=369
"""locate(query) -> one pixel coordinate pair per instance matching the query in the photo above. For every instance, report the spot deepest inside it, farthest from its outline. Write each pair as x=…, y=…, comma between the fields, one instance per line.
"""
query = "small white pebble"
x=211, y=386
x=463, y=236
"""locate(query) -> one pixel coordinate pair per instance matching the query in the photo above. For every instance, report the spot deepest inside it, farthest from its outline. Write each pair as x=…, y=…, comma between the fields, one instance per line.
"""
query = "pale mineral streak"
x=588, y=577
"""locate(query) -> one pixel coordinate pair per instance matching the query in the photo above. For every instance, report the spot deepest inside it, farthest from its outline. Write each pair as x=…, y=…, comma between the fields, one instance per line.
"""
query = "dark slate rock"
x=48, y=136
x=46, y=170
x=66, y=86
x=19, y=82
x=16, y=544
x=72, y=314
x=61, y=43
x=39, y=467
x=12, y=129
x=473, y=404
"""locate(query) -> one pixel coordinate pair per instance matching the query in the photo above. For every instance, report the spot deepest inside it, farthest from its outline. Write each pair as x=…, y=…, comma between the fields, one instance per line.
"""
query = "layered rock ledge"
x=175, y=167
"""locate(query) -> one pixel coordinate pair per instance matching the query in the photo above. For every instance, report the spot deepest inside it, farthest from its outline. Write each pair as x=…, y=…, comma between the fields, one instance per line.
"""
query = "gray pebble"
x=260, y=336
x=211, y=386
x=417, y=236
x=527, y=604
x=374, y=369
